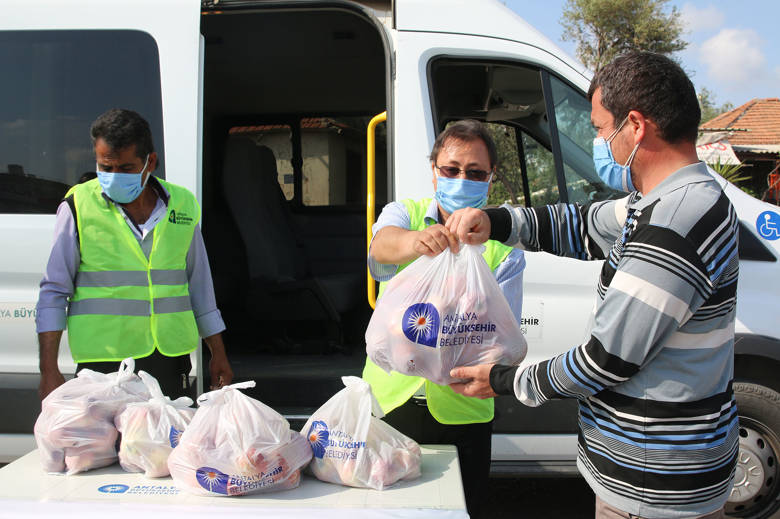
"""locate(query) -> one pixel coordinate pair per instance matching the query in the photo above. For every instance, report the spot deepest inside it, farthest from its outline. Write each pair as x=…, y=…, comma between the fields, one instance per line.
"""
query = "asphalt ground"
x=543, y=498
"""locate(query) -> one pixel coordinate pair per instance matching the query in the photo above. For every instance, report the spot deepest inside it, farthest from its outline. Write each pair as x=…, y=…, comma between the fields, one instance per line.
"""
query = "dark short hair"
x=121, y=129
x=654, y=86
x=466, y=130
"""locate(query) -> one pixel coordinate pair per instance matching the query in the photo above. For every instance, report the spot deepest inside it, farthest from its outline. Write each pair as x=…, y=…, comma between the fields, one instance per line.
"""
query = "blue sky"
x=733, y=47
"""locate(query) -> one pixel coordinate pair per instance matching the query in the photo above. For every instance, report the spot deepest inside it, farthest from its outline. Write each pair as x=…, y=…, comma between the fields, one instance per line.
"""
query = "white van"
x=261, y=108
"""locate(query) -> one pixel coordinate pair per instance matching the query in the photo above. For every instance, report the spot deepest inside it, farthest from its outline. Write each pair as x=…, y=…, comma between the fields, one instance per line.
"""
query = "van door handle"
x=371, y=196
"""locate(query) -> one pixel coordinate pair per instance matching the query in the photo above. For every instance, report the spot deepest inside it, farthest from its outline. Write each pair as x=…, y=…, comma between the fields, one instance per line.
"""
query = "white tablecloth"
x=111, y=493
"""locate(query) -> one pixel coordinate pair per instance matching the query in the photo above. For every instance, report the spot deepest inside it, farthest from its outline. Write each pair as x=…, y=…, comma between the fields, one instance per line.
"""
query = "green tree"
x=709, y=109
x=603, y=29
x=508, y=180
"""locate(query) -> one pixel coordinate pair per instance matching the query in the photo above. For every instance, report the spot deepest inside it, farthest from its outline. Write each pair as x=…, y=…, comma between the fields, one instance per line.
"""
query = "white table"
x=111, y=493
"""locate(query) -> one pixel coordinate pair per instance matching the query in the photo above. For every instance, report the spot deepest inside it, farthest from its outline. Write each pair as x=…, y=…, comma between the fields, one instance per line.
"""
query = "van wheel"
x=756, y=492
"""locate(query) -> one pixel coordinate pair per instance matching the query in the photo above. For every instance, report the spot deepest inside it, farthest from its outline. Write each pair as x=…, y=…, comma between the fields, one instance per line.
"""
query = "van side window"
x=522, y=104
x=55, y=83
x=516, y=156
x=576, y=134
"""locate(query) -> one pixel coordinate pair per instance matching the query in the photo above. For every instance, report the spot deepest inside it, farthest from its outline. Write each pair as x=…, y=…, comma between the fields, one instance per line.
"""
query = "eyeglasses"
x=479, y=175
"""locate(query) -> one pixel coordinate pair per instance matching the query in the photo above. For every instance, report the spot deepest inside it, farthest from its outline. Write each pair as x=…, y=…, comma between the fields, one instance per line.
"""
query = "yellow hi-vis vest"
x=395, y=389
x=125, y=305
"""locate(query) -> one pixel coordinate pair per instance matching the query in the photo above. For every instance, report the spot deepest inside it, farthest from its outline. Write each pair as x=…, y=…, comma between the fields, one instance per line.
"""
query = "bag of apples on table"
x=75, y=430
x=353, y=447
x=237, y=445
x=150, y=430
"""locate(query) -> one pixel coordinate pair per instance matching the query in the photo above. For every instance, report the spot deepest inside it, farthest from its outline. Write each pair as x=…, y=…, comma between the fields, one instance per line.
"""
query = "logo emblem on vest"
x=318, y=438
x=421, y=324
x=179, y=218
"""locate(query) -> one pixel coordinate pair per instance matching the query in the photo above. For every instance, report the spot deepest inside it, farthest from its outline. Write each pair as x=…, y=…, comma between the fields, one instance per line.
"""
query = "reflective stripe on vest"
x=132, y=278
x=125, y=305
x=393, y=390
x=107, y=306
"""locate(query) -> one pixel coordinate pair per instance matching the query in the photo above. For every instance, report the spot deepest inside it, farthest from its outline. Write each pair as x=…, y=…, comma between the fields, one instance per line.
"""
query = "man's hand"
x=470, y=225
x=434, y=240
x=477, y=380
x=50, y=380
x=219, y=368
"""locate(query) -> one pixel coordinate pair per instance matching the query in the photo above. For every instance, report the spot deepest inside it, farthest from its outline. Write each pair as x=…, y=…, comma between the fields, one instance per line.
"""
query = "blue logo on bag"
x=421, y=324
x=174, y=436
x=318, y=438
x=212, y=480
x=113, y=489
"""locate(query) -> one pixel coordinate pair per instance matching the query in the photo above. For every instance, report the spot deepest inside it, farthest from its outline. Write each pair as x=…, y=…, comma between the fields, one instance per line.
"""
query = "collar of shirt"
x=691, y=174
x=432, y=214
x=159, y=211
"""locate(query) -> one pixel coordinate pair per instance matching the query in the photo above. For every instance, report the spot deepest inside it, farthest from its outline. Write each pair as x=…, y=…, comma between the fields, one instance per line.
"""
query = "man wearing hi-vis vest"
x=463, y=162
x=128, y=273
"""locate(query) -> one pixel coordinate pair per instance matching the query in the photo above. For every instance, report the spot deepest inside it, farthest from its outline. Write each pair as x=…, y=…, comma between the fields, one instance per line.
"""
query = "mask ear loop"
x=620, y=126
x=146, y=163
x=631, y=157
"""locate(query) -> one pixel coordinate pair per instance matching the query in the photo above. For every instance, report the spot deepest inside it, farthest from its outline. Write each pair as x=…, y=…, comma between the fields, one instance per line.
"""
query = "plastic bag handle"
x=153, y=386
x=238, y=385
x=125, y=371
x=476, y=249
x=361, y=385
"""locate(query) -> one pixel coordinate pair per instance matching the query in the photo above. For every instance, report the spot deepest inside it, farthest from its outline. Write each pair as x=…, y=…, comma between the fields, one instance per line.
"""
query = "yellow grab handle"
x=371, y=195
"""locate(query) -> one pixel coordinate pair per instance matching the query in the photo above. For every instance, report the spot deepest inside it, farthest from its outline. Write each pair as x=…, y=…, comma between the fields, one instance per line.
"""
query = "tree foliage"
x=709, y=109
x=603, y=29
x=508, y=179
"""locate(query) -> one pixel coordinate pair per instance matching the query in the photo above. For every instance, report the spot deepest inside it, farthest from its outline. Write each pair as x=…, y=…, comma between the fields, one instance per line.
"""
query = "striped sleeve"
x=658, y=284
x=572, y=230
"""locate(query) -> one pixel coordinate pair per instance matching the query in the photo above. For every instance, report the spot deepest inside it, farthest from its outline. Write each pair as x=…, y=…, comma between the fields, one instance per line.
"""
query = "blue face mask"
x=123, y=187
x=613, y=174
x=457, y=193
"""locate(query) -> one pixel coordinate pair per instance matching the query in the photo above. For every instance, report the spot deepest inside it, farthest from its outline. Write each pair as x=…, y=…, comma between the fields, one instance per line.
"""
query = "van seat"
x=281, y=286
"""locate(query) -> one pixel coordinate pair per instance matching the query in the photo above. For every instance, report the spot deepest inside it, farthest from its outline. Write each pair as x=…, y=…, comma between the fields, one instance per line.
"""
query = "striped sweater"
x=657, y=417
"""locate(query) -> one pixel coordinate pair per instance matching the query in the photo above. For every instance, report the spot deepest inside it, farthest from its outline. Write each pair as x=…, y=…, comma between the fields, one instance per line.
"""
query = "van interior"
x=288, y=94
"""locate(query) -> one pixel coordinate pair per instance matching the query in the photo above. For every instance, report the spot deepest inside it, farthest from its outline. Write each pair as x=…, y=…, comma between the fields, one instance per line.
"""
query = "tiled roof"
x=307, y=123
x=761, y=117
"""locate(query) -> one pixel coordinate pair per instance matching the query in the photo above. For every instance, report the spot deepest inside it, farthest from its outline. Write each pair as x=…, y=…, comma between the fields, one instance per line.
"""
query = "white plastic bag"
x=75, y=430
x=150, y=430
x=441, y=312
x=352, y=447
x=237, y=445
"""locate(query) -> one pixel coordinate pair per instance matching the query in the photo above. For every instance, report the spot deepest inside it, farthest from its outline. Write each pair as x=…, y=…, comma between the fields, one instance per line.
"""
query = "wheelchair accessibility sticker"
x=768, y=225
